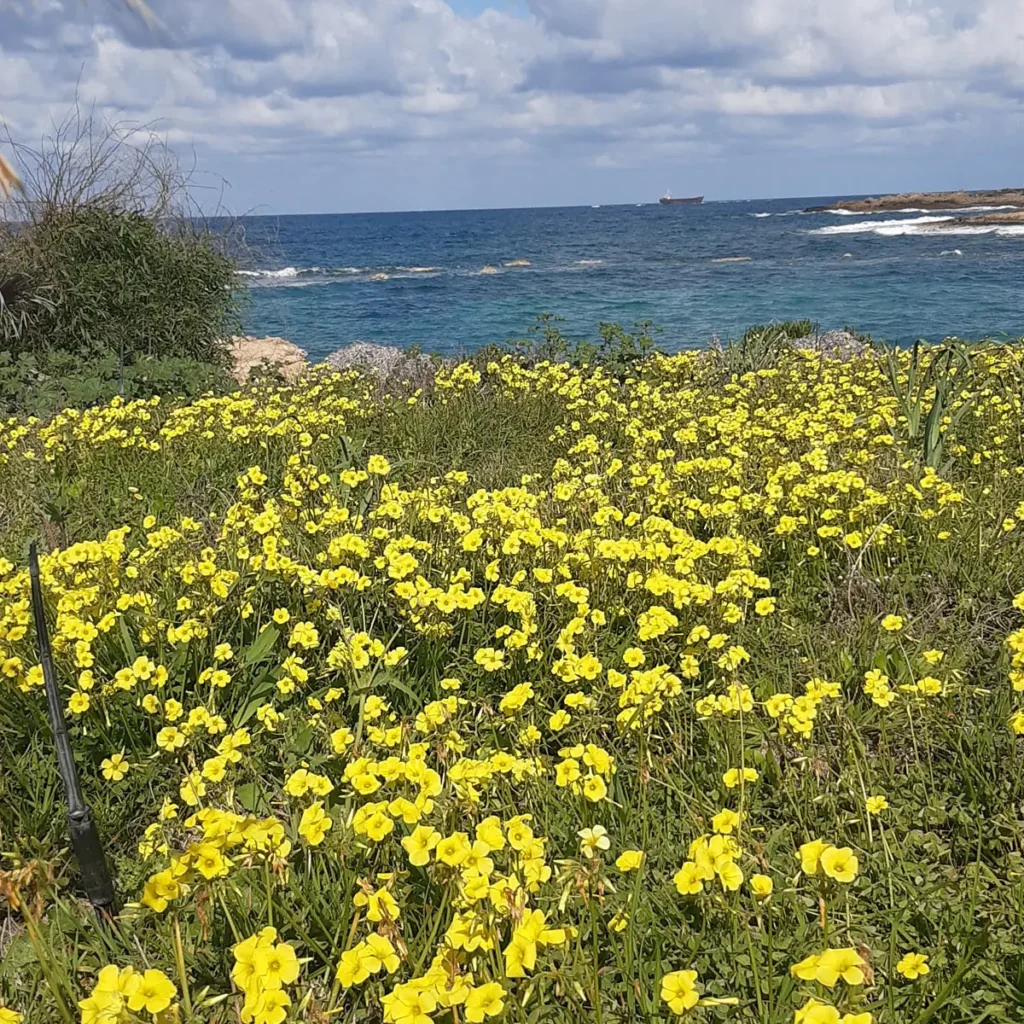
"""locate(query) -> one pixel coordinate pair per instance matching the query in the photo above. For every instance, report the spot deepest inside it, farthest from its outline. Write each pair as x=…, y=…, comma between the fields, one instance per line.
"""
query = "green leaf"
x=248, y=797
x=387, y=679
x=263, y=688
x=126, y=637
x=259, y=650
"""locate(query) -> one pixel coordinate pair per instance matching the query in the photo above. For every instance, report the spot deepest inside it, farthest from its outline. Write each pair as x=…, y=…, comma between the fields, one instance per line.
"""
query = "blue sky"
x=345, y=105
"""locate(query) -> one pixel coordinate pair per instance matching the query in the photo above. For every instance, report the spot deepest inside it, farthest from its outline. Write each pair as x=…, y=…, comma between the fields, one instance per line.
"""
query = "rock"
x=985, y=219
x=837, y=344
x=389, y=364
x=248, y=352
x=489, y=270
x=927, y=201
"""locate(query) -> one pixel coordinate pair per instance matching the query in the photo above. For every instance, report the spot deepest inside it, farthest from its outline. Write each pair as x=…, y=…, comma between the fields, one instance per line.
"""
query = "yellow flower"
x=355, y=966
x=208, y=860
x=383, y=953
x=594, y=788
x=729, y=873
x=815, y=1012
x=593, y=840
x=876, y=804
x=840, y=864
x=629, y=860
x=688, y=879
x=409, y=1004
x=810, y=856
x=9, y=1016
x=380, y=905
x=725, y=822
x=761, y=886
x=559, y=720
x=892, y=623
x=77, y=705
x=834, y=964
x=679, y=991
x=115, y=767
x=633, y=657
x=913, y=966
x=151, y=991
x=419, y=844
x=453, y=849
x=276, y=966
x=378, y=465
x=270, y=1007
x=486, y=1000
x=314, y=824
x=731, y=779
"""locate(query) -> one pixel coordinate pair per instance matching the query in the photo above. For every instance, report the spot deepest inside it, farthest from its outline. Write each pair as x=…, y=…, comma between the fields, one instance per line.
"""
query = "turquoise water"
x=419, y=278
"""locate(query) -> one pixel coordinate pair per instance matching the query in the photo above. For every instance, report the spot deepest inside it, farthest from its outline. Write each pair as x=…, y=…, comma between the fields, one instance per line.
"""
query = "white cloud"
x=610, y=83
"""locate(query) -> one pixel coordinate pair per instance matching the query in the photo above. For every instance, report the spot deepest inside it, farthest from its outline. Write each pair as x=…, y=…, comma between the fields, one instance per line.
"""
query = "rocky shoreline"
x=394, y=367
x=997, y=219
x=926, y=201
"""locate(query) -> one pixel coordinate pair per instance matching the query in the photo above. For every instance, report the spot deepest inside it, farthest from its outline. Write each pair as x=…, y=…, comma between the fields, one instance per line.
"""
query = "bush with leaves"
x=106, y=253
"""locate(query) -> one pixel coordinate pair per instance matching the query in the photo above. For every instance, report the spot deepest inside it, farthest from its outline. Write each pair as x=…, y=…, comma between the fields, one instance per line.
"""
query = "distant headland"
x=927, y=201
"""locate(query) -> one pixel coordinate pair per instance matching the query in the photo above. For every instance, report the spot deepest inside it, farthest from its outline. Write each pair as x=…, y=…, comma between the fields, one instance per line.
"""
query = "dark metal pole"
x=85, y=840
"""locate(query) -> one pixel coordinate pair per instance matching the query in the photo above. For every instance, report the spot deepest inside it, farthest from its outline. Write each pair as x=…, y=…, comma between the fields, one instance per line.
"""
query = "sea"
x=452, y=281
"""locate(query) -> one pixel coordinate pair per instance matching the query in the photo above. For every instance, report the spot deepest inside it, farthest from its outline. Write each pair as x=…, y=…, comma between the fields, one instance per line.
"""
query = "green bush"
x=107, y=254
x=90, y=281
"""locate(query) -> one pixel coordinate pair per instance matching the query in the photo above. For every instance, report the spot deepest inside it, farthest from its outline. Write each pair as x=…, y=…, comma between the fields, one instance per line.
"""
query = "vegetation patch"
x=559, y=691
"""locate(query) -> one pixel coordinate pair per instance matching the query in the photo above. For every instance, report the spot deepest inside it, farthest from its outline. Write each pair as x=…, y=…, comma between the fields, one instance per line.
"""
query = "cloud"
x=612, y=84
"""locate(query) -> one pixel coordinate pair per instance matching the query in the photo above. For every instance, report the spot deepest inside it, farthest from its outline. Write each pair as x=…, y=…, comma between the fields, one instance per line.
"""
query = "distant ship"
x=667, y=200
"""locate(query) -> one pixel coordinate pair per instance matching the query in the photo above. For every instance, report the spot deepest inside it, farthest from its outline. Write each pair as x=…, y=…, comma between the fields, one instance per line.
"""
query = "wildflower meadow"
x=549, y=693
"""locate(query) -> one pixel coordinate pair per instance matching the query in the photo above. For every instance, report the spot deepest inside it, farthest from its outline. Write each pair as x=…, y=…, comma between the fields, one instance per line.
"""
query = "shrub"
x=43, y=385
x=106, y=253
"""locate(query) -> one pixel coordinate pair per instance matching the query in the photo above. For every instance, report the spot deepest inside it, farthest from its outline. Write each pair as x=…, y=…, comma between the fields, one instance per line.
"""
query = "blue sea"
x=453, y=281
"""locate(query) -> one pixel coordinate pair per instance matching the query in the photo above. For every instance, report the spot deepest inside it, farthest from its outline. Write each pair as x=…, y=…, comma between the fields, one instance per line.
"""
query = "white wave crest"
x=589, y=263
x=909, y=226
x=760, y=215
x=999, y=230
x=286, y=272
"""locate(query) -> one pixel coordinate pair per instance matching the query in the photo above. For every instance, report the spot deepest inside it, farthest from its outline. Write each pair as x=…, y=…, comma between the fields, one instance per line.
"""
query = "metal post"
x=85, y=840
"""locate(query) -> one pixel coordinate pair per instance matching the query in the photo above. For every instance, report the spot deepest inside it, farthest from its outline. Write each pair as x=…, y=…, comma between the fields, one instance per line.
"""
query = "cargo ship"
x=668, y=200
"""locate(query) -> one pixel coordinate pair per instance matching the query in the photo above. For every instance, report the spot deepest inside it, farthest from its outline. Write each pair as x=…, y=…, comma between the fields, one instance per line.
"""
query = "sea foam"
x=908, y=226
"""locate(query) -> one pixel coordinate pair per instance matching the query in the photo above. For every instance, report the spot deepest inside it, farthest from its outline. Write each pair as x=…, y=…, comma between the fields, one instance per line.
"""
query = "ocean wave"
x=760, y=215
x=1000, y=230
x=283, y=273
x=302, y=276
x=887, y=228
x=984, y=209
x=589, y=263
x=917, y=209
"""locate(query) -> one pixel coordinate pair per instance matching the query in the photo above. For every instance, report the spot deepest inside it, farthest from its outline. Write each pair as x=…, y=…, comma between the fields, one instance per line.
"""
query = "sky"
x=357, y=105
